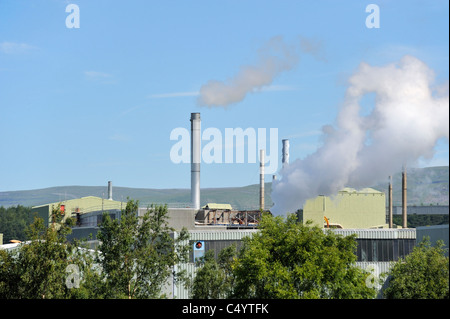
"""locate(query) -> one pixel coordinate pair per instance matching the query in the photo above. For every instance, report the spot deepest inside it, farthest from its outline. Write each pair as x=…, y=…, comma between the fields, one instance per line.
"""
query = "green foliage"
x=136, y=257
x=37, y=269
x=138, y=253
x=214, y=279
x=423, y=274
x=287, y=259
x=14, y=221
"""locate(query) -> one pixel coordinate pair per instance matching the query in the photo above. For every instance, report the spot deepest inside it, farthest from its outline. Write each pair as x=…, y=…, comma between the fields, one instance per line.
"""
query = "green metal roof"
x=367, y=190
x=217, y=206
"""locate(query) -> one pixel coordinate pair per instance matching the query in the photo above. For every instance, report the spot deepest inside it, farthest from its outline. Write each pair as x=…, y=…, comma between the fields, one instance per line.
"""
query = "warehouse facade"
x=348, y=209
x=75, y=208
x=376, y=249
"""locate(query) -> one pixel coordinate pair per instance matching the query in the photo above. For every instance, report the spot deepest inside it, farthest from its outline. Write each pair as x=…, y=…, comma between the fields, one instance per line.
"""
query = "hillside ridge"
x=426, y=186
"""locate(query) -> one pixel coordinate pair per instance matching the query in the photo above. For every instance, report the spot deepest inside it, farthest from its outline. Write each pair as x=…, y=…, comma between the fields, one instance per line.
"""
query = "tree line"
x=137, y=256
x=13, y=222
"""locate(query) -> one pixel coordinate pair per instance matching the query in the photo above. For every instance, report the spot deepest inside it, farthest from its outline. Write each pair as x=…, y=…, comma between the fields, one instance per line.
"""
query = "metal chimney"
x=110, y=190
x=391, y=223
x=404, y=202
x=261, y=179
x=195, y=159
x=285, y=151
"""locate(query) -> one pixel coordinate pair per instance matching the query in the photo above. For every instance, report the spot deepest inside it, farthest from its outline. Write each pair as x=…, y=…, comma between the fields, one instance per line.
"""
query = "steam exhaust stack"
x=110, y=190
x=285, y=158
x=391, y=223
x=261, y=179
x=404, y=201
x=195, y=159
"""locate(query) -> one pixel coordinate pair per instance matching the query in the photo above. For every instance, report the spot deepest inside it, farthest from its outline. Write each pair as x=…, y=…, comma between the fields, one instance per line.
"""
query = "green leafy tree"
x=287, y=259
x=84, y=278
x=138, y=254
x=214, y=278
x=423, y=274
x=14, y=221
x=37, y=268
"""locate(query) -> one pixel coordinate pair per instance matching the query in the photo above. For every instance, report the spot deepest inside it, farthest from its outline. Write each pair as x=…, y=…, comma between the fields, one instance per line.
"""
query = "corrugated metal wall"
x=376, y=268
x=220, y=235
x=383, y=233
x=379, y=272
x=179, y=291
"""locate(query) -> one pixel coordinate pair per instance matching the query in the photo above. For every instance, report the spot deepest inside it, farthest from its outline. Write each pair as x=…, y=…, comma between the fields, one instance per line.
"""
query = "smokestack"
x=110, y=190
x=391, y=223
x=261, y=179
x=285, y=159
x=404, y=206
x=195, y=159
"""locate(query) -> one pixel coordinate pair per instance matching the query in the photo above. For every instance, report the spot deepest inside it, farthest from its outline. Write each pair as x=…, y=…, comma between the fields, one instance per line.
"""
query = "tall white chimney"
x=391, y=220
x=261, y=179
x=285, y=151
x=404, y=200
x=195, y=159
x=110, y=190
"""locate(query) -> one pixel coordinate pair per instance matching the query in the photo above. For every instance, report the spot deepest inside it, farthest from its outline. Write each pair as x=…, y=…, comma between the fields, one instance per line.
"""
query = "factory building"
x=434, y=233
x=423, y=210
x=348, y=209
x=376, y=249
x=75, y=208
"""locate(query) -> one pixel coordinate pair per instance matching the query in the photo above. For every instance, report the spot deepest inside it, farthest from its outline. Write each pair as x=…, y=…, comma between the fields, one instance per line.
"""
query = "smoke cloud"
x=409, y=116
x=275, y=57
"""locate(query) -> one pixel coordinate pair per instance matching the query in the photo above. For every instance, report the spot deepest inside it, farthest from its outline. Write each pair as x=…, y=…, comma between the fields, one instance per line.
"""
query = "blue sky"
x=97, y=103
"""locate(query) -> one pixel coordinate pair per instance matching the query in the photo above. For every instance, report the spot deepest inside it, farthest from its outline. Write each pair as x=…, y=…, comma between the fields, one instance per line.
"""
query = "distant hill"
x=246, y=197
x=425, y=186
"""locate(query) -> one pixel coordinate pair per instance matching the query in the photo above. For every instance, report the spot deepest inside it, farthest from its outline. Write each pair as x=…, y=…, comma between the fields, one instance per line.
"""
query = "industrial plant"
x=218, y=225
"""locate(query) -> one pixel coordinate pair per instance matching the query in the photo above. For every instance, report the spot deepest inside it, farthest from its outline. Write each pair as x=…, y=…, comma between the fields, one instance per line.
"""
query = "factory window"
x=383, y=249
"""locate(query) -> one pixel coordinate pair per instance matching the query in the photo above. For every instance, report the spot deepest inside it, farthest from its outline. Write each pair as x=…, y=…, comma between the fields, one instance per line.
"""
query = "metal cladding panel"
x=179, y=291
x=409, y=233
x=220, y=234
x=85, y=204
x=377, y=268
x=435, y=233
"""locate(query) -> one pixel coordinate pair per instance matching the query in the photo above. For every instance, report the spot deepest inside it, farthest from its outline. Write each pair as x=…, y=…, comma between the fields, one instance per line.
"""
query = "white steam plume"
x=274, y=58
x=408, y=118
